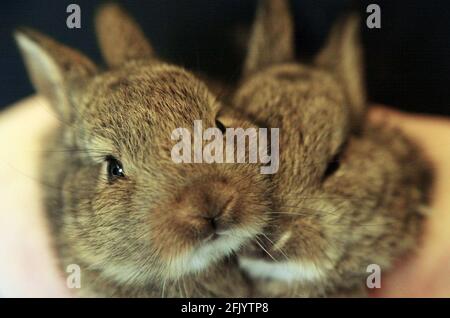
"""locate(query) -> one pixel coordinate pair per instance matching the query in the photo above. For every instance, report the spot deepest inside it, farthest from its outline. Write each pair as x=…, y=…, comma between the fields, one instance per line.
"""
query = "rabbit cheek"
x=112, y=205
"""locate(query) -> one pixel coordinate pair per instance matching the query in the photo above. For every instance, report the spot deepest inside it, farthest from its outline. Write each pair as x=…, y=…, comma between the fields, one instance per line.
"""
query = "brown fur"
x=127, y=234
x=135, y=236
x=329, y=224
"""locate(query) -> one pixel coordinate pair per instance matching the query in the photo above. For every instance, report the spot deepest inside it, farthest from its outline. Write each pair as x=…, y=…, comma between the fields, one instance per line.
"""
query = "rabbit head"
x=347, y=194
x=124, y=207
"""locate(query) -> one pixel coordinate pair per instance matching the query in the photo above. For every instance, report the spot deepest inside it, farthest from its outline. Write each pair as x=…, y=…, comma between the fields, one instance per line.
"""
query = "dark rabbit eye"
x=114, y=168
x=220, y=126
x=335, y=162
x=332, y=167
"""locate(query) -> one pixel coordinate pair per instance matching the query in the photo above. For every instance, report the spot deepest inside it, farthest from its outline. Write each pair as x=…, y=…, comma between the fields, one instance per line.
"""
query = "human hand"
x=427, y=272
x=27, y=263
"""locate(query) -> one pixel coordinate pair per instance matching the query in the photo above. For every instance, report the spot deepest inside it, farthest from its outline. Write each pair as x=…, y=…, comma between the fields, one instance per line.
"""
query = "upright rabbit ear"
x=342, y=54
x=272, y=37
x=119, y=36
x=55, y=70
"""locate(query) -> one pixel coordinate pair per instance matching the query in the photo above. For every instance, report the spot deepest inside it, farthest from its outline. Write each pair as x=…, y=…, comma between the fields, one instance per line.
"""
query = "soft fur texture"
x=148, y=233
x=347, y=194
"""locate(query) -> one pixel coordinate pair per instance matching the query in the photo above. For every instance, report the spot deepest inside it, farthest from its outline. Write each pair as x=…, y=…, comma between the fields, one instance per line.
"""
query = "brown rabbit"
x=347, y=194
x=135, y=222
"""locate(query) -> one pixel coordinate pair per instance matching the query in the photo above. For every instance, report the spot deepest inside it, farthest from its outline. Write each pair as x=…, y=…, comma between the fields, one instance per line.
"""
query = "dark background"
x=407, y=60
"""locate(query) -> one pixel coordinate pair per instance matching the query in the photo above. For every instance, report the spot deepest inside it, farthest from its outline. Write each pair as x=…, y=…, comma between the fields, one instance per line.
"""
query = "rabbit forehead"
x=306, y=80
x=142, y=103
x=154, y=88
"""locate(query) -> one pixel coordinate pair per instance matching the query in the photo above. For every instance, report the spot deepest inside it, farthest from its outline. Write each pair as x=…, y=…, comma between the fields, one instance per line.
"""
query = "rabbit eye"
x=332, y=167
x=335, y=162
x=220, y=126
x=114, y=168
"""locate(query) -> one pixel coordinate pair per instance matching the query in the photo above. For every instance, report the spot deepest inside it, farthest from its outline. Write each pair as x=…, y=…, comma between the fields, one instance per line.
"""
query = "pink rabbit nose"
x=213, y=221
x=217, y=211
x=208, y=206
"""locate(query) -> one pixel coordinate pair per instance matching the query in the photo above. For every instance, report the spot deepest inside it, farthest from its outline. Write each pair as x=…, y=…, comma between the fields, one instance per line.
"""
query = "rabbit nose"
x=216, y=211
x=208, y=207
x=213, y=222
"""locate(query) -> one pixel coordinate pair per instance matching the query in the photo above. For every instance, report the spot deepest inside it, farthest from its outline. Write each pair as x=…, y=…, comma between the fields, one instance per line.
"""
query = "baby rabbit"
x=135, y=222
x=348, y=194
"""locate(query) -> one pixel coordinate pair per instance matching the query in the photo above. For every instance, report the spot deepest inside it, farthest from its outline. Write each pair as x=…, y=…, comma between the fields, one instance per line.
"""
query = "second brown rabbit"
x=348, y=194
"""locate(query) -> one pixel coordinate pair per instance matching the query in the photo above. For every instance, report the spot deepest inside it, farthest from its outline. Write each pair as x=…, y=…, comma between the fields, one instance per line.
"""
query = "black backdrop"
x=407, y=60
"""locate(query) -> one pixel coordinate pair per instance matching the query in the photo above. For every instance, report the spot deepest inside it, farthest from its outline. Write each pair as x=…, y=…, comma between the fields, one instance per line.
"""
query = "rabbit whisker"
x=163, y=287
x=273, y=245
x=262, y=247
x=334, y=223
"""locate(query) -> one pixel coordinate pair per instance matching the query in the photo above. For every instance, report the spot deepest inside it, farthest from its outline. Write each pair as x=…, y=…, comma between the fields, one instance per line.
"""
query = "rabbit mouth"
x=215, y=236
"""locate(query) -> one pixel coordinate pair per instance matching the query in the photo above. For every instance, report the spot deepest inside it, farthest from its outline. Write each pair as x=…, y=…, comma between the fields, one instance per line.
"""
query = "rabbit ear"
x=119, y=36
x=55, y=70
x=271, y=39
x=342, y=54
